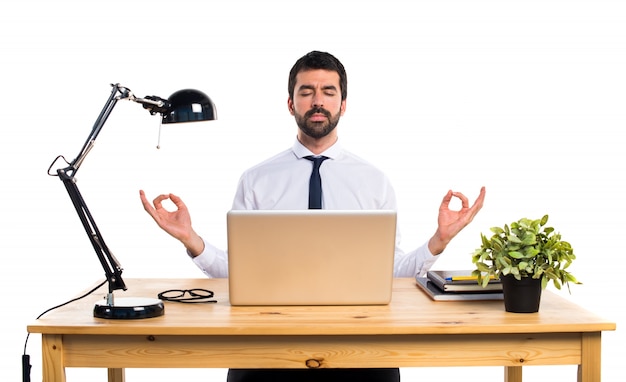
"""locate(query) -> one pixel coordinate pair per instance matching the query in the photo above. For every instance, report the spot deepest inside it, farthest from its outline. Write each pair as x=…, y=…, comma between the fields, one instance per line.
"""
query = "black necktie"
x=315, y=183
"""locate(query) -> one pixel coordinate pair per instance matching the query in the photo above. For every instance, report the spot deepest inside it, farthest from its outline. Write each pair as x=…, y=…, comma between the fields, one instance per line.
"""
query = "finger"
x=478, y=204
x=148, y=207
x=447, y=198
x=481, y=197
x=178, y=202
x=463, y=198
x=144, y=201
x=158, y=200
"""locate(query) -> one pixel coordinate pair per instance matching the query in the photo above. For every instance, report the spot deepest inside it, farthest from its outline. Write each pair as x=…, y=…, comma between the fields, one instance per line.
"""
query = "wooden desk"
x=411, y=331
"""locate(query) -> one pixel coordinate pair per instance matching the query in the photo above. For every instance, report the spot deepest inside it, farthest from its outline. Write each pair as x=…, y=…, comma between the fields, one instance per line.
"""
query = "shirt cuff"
x=428, y=260
x=206, y=258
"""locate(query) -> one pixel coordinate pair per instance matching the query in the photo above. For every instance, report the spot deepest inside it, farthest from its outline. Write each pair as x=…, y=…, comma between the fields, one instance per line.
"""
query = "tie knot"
x=317, y=160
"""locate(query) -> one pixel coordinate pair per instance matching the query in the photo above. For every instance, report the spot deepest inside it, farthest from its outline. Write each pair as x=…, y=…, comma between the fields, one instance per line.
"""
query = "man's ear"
x=290, y=106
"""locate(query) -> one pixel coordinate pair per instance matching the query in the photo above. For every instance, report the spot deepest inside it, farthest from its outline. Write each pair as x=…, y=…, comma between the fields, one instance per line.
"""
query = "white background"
x=525, y=97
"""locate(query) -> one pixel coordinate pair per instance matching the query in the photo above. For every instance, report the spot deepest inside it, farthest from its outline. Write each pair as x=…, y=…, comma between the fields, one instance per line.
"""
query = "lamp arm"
x=97, y=127
x=111, y=266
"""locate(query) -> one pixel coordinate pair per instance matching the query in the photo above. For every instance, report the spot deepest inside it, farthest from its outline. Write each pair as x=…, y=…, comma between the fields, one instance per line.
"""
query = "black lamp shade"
x=189, y=105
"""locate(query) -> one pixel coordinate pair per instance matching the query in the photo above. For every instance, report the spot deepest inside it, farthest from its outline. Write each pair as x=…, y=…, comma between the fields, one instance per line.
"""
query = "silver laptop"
x=311, y=257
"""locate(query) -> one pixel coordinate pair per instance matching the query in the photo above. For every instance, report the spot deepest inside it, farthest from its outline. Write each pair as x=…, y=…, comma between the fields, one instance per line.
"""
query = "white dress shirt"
x=348, y=183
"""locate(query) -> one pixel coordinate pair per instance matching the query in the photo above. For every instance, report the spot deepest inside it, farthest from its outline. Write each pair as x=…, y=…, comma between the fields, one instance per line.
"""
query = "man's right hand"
x=176, y=223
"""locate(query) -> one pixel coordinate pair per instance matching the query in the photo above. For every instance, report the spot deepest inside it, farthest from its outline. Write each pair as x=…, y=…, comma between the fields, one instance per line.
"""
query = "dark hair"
x=318, y=60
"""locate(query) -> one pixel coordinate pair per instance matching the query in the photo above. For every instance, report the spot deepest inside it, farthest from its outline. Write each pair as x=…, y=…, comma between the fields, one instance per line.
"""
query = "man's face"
x=316, y=103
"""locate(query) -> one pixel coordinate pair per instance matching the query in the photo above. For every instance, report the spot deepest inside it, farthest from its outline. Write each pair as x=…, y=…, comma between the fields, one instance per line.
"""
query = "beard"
x=317, y=129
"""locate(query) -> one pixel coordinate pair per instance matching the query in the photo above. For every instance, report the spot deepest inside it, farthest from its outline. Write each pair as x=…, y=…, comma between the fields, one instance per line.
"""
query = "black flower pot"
x=521, y=296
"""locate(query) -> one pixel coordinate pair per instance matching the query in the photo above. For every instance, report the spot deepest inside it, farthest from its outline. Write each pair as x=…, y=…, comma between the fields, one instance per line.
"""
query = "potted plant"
x=526, y=255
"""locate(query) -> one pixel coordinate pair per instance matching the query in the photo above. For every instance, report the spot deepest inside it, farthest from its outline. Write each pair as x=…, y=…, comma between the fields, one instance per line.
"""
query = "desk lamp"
x=186, y=105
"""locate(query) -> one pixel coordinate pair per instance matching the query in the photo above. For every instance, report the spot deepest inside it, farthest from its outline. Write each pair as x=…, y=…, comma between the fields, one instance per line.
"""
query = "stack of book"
x=458, y=285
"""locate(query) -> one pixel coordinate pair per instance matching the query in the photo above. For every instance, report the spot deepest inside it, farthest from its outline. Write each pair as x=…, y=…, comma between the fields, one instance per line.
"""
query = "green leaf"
x=531, y=252
x=503, y=262
x=482, y=267
x=485, y=281
x=497, y=230
x=486, y=243
x=529, y=239
x=514, y=239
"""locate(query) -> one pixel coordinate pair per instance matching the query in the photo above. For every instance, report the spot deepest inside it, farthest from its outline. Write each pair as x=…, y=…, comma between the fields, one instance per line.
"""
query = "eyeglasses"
x=195, y=295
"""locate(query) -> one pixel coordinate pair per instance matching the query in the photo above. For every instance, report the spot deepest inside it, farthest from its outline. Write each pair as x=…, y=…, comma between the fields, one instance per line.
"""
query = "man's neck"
x=317, y=145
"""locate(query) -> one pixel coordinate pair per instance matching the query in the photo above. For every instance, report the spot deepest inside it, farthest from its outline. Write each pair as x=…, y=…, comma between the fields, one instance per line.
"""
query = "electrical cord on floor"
x=26, y=366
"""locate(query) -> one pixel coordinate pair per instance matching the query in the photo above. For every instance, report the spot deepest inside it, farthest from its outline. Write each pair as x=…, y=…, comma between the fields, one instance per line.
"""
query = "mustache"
x=317, y=110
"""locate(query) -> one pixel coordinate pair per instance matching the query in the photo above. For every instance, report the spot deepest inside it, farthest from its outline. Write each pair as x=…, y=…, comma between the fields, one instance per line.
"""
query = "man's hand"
x=176, y=223
x=450, y=223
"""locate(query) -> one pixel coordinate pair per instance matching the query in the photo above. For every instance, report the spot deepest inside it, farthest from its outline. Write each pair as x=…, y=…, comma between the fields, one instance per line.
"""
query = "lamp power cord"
x=195, y=295
x=26, y=366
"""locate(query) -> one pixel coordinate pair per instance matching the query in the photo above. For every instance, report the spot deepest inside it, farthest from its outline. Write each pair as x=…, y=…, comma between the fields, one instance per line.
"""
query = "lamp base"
x=130, y=308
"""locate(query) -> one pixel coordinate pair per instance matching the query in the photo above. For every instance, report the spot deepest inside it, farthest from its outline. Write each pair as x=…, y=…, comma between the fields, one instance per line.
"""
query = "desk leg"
x=512, y=374
x=589, y=369
x=53, y=367
x=116, y=375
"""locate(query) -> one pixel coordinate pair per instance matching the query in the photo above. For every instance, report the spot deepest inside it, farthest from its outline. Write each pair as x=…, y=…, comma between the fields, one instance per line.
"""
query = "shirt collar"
x=332, y=152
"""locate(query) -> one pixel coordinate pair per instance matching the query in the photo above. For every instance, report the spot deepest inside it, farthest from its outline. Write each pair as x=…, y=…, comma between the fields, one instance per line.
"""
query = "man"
x=317, y=99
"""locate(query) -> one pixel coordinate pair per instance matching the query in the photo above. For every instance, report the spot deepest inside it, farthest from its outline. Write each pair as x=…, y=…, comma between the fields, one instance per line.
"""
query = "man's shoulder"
x=279, y=159
x=350, y=158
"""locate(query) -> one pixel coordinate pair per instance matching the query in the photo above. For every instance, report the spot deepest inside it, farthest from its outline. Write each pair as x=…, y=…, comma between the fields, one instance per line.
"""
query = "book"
x=439, y=295
x=461, y=281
